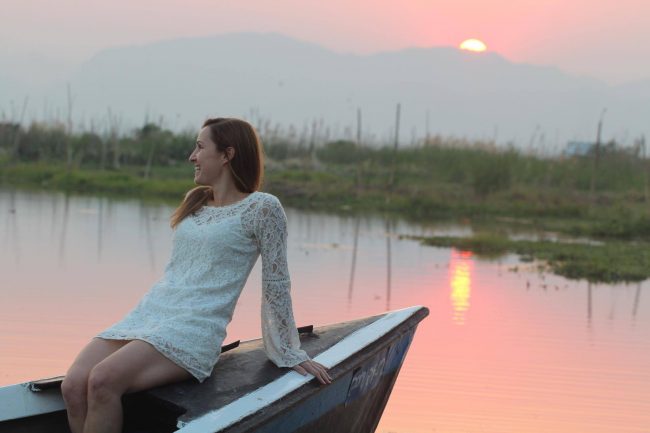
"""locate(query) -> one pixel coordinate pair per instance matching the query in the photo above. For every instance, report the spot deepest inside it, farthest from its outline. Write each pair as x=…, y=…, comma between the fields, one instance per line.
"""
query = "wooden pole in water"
x=397, y=118
x=389, y=264
x=644, y=164
x=102, y=153
x=114, y=125
x=637, y=298
x=391, y=181
x=354, y=259
x=68, y=140
x=312, y=138
x=359, y=126
x=359, y=174
x=596, y=156
x=589, y=303
x=100, y=228
x=427, y=135
x=16, y=137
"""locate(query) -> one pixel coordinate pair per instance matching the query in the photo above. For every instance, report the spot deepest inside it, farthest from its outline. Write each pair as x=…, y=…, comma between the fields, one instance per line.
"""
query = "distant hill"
x=293, y=82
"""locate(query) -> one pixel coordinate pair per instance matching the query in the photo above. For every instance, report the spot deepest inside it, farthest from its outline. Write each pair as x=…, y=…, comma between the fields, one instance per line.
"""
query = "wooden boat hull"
x=246, y=393
x=353, y=403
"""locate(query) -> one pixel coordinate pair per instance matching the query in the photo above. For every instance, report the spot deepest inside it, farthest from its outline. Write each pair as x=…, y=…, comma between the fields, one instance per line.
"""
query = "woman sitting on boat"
x=175, y=332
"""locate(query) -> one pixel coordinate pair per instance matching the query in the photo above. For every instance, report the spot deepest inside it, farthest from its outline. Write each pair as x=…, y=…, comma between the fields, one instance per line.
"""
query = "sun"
x=473, y=45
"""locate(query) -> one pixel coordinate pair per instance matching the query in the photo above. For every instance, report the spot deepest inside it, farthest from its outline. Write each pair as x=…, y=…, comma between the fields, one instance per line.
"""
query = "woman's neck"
x=224, y=197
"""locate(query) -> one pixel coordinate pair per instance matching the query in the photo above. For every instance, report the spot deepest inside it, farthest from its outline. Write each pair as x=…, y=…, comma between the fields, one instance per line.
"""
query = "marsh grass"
x=611, y=214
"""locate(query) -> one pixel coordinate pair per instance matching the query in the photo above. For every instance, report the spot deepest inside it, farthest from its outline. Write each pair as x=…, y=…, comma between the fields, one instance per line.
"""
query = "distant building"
x=578, y=148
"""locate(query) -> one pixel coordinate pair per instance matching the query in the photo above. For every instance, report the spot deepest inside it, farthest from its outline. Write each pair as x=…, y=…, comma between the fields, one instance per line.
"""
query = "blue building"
x=578, y=148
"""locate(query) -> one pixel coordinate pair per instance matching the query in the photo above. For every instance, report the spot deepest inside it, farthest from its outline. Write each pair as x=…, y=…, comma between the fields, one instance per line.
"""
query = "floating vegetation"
x=609, y=262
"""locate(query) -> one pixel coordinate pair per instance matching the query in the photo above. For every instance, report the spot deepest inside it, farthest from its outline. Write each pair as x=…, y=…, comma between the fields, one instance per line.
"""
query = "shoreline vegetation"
x=601, y=195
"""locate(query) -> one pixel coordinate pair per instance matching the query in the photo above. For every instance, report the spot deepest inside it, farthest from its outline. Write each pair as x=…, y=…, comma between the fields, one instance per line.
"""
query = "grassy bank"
x=124, y=183
x=620, y=215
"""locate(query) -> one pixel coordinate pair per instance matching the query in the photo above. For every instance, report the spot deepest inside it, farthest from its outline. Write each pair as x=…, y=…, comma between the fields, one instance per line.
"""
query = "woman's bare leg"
x=135, y=367
x=75, y=385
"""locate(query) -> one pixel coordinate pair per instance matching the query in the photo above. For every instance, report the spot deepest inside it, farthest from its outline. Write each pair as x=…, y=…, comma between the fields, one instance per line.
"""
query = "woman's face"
x=208, y=162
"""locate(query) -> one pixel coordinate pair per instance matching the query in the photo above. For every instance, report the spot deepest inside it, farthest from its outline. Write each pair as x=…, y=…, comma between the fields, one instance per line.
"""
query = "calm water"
x=502, y=351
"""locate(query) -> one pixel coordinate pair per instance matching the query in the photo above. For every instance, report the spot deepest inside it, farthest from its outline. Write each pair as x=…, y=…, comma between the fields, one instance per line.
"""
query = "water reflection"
x=527, y=357
x=64, y=229
x=12, y=235
x=389, y=261
x=355, y=246
x=145, y=218
x=100, y=228
x=637, y=299
x=589, y=301
x=461, y=265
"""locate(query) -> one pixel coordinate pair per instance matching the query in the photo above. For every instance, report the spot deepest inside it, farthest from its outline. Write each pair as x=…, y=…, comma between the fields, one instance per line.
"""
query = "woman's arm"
x=279, y=333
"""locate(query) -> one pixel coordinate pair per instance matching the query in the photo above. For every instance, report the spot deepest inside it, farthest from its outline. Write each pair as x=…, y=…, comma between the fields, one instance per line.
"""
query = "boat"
x=246, y=392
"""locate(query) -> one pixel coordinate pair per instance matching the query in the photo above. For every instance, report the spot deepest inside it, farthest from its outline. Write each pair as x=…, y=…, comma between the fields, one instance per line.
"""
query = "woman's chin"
x=201, y=180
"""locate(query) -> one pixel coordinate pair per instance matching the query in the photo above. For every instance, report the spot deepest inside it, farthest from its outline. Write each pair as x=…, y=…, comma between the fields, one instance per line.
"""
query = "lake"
x=505, y=348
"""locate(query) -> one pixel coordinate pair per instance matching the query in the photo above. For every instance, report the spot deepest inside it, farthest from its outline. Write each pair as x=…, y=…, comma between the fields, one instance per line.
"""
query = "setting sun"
x=473, y=45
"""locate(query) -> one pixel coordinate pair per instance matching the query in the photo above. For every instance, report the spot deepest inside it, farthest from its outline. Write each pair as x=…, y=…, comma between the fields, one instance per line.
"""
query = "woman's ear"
x=229, y=153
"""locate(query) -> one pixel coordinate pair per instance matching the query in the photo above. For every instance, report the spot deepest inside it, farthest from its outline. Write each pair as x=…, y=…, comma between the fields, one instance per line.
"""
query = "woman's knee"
x=73, y=390
x=103, y=384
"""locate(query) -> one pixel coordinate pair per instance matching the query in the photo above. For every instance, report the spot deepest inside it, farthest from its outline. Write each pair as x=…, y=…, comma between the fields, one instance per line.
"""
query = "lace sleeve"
x=279, y=333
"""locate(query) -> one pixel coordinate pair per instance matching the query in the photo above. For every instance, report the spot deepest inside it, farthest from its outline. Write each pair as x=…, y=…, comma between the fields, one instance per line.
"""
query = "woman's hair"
x=246, y=166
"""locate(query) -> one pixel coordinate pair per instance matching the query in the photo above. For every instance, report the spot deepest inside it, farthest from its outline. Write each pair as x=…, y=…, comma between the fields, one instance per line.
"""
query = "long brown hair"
x=246, y=166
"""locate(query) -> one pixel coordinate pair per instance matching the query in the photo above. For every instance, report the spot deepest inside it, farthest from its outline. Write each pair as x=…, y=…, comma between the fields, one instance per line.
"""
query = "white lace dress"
x=185, y=314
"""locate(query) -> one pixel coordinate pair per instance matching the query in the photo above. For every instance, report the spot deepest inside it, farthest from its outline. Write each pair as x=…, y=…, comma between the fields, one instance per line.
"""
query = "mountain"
x=293, y=82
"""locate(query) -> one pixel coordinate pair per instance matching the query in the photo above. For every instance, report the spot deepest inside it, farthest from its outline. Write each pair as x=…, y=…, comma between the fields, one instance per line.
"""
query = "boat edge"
x=248, y=404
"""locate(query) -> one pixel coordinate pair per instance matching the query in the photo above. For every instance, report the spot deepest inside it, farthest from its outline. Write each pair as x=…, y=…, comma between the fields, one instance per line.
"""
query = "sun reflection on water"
x=460, y=282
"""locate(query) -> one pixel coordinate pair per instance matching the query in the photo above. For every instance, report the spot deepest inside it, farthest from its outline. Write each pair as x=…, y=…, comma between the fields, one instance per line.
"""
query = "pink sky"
x=601, y=38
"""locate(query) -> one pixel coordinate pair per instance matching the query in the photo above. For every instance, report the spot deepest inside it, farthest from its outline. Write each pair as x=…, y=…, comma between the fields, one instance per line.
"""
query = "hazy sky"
x=606, y=39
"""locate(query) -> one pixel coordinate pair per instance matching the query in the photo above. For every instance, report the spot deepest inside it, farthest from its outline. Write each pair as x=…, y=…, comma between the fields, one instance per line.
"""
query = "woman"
x=175, y=332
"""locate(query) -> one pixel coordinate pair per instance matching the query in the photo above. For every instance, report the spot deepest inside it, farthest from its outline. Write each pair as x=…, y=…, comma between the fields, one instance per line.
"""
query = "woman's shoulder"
x=261, y=204
x=267, y=199
x=265, y=210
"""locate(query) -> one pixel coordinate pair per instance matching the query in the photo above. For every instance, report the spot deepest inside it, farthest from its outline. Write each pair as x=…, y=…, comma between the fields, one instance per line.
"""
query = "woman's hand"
x=313, y=367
